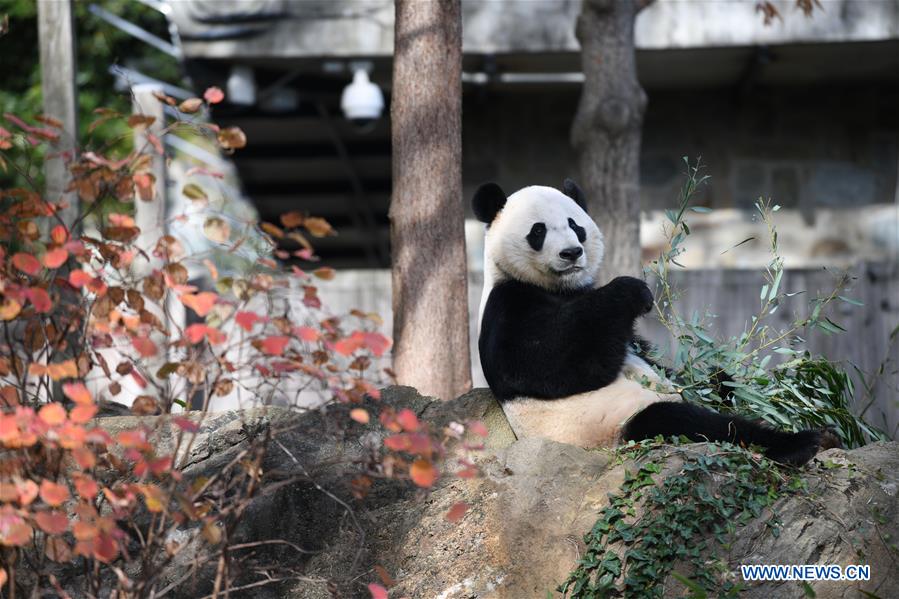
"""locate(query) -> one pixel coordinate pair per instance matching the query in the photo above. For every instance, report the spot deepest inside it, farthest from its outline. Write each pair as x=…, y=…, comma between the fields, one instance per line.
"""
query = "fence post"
x=57, y=52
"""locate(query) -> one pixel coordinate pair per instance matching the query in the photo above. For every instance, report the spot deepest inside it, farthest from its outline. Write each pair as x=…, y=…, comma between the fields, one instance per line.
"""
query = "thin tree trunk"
x=607, y=128
x=56, y=33
x=427, y=233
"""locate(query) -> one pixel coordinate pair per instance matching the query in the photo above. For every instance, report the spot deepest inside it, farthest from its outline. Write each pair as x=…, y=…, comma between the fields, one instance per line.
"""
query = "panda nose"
x=571, y=254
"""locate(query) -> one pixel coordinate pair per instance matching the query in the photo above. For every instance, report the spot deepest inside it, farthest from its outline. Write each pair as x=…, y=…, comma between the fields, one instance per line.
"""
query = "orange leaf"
x=201, y=303
x=83, y=413
x=62, y=370
x=456, y=512
x=84, y=457
x=86, y=487
x=26, y=263
x=53, y=494
x=52, y=414
x=52, y=522
x=55, y=258
x=307, y=334
x=59, y=234
x=191, y=105
x=325, y=273
x=232, y=138
x=27, y=491
x=9, y=309
x=274, y=346
x=13, y=530
x=359, y=415
x=423, y=473
x=144, y=346
x=77, y=392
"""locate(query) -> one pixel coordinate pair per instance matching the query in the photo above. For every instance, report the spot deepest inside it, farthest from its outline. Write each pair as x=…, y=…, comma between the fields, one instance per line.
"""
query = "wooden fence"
x=733, y=297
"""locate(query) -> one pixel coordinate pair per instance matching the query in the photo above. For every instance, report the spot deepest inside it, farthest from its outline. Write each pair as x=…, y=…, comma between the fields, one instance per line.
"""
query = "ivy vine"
x=651, y=525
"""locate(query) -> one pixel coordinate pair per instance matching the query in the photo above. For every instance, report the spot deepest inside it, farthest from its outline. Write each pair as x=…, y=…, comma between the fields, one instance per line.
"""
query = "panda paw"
x=636, y=291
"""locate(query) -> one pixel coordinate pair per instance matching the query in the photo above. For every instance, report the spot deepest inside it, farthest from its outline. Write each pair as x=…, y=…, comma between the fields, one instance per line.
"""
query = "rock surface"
x=523, y=532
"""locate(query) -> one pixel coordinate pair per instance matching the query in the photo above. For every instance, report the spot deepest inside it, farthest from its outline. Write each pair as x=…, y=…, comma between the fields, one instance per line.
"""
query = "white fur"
x=507, y=253
x=594, y=418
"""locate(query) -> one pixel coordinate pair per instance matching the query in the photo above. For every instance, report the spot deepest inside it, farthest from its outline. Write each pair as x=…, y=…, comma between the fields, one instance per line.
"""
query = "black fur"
x=547, y=345
x=578, y=230
x=536, y=236
x=571, y=189
x=671, y=419
x=542, y=344
x=488, y=200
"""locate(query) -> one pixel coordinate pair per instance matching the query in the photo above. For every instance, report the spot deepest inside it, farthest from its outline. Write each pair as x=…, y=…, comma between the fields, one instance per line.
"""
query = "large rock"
x=524, y=530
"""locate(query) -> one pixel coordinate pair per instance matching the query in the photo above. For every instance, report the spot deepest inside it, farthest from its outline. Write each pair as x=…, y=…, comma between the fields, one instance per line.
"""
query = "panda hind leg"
x=671, y=419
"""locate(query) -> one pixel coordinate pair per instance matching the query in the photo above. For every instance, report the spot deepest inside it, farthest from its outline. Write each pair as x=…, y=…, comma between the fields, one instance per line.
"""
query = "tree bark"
x=56, y=34
x=427, y=232
x=607, y=128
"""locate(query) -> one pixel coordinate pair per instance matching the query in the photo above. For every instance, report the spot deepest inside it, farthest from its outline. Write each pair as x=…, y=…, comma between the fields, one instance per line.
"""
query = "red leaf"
x=26, y=263
x=105, y=548
x=274, y=346
x=213, y=95
x=246, y=320
x=52, y=522
x=59, y=234
x=377, y=343
x=307, y=334
x=408, y=420
x=377, y=591
x=55, y=258
x=423, y=473
x=144, y=346
x=39, y=299
x=478, y=428
x=185, y=424
x=195, y=332
x=79, y=278
x=456, y=512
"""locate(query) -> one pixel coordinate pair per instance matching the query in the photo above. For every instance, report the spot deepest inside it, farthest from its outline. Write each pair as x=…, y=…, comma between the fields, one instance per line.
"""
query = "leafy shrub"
x=89, y=313
x=739, y=374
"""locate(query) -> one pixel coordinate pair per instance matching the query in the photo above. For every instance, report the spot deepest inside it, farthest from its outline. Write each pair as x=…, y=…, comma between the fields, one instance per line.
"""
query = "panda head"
x=539, y=235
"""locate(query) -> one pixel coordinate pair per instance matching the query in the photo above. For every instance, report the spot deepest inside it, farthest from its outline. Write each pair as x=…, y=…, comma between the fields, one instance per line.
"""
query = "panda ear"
x=488, y=200
x=573, y=191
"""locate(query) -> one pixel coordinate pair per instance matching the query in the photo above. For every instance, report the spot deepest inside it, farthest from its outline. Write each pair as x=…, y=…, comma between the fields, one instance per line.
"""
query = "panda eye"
x=578, y=230
x=536, y=236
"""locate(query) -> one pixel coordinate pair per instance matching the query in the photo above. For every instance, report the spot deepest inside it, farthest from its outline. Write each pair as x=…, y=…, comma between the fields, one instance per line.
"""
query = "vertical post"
x=150, y=216
x=56, y=33
x=427, y=219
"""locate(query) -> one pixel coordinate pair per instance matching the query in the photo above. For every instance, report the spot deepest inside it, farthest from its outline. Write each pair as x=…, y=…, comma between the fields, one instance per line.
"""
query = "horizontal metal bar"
x=135, y=31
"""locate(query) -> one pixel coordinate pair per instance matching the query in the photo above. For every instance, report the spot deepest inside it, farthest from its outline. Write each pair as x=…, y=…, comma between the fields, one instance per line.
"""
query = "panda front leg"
x=671, y=419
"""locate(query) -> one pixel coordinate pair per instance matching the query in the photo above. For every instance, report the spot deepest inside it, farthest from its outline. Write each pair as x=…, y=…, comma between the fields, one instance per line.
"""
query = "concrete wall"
x=315, y=28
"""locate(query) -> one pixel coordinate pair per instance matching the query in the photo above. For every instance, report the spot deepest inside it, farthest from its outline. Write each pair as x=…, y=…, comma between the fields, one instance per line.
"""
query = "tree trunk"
x=427, y=232
x=607, y=128
x=56, y=32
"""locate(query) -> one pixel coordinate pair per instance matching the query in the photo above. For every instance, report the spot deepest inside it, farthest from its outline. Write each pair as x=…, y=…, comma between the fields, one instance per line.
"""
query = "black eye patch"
x=536, y=236
x=578, y=230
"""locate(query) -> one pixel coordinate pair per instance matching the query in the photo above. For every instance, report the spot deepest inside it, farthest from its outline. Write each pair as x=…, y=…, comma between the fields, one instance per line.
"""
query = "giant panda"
x=560, y=352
